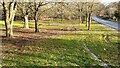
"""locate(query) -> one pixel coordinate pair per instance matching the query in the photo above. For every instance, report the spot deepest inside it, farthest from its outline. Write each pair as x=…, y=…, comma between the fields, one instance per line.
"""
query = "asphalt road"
x=113, y=25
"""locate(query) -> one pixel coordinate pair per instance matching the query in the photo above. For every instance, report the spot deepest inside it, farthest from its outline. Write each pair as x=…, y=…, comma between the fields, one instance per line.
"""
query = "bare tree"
x=25, y=10
x=89, y=13
x=36, y=11
x=9, y=14
x=80, y=11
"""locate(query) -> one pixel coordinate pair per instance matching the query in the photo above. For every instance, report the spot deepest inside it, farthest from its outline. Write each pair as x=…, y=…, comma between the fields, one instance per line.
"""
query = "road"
x=113, y=25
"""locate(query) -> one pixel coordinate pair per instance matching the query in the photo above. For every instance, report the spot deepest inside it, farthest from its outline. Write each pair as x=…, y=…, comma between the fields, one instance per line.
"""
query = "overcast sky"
x=108, y=1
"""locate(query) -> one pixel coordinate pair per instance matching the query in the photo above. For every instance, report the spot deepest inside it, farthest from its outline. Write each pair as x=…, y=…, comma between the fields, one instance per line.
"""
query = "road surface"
x=113, y=25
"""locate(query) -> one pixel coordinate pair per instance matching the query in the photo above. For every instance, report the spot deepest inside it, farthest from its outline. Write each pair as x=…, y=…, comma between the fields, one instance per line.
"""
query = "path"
x=113, y=25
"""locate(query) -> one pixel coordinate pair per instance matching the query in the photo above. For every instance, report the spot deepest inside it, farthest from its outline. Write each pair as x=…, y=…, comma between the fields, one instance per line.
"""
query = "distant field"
x=60, y=47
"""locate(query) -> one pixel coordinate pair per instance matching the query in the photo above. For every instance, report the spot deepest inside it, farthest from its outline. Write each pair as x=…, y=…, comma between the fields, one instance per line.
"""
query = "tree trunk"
x=9, y=17
x=26, y=24
x=89, y=21
x=80, y=19
x=9, y=29
x=36, y=23
x=7, y=26
x=6, y=19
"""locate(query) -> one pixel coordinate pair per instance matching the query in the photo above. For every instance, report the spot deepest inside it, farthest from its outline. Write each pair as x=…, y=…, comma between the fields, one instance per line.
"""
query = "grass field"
x=59, y=47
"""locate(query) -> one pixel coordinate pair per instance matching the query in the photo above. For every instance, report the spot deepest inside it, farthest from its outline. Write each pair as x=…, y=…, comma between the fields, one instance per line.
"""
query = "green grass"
x=66, y=49
x=49, y=52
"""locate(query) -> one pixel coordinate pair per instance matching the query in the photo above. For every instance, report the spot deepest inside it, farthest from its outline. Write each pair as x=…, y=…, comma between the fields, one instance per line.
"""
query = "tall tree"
x=80, y=11
x=9, y=14
x=25, y=10
x=89, y=13
x=36, y=11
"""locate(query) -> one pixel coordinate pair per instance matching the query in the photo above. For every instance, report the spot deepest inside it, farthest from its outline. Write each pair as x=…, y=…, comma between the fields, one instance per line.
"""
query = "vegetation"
x=58, y=34
x=61, y=48
x=111, y=12
x=9, y=14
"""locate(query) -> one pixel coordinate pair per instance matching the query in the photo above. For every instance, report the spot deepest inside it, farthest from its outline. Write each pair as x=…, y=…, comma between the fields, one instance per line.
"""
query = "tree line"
x=111, y=12
x=37, y=10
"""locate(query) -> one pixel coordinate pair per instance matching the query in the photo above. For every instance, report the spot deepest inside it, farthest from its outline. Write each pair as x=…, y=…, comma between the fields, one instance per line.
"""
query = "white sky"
x=108, y=1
